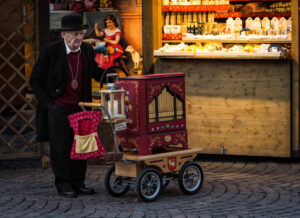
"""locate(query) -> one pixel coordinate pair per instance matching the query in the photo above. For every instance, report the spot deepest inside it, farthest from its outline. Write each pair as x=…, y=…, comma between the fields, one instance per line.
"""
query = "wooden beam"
x=295, y=146
x=43, y=24
x=138, y=158
x=147, y=35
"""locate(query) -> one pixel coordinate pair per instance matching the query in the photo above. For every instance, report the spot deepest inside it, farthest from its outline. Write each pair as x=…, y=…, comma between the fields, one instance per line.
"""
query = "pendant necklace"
x=74, y=83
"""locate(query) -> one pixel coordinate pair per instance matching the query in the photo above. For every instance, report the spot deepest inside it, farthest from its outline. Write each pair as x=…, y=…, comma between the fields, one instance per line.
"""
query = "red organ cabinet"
x=156, y=106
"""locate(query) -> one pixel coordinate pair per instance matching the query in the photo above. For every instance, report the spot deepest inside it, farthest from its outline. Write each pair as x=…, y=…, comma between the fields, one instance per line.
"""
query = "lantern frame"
x=110, y=104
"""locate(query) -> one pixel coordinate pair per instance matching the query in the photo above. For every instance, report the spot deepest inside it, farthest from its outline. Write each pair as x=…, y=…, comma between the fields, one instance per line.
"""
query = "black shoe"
x=67, y=194
x=85, y=191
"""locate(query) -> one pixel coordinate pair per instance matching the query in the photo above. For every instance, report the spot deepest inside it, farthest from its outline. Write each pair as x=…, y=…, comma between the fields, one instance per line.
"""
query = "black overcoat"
x=49, y=76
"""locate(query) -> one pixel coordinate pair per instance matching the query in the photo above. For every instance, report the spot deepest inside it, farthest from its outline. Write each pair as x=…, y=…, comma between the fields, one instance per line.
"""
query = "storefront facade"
x=236, y=104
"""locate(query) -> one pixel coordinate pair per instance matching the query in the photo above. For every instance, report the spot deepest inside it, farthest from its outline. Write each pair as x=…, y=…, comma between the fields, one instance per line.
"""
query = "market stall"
x=241, y=64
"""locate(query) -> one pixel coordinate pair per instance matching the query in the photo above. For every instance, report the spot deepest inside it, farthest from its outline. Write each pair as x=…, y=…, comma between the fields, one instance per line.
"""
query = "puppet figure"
x=77, y=6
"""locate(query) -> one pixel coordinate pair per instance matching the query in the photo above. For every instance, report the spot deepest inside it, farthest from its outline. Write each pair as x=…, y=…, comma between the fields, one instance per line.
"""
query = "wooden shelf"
x=260, y=0
x=227, y=15
x=188, y=8
x=263, y=14
x=220, y=55
x=252, y=41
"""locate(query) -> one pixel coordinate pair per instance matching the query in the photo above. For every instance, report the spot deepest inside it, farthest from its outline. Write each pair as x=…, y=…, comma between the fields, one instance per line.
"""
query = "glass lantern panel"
x=118, y=101
x=113, y=102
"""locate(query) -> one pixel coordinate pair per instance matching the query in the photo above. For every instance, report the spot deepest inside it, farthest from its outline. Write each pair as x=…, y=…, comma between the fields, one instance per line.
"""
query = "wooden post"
x=43, y=26
x=43, y=38
x=147, y=36
x=295, y=80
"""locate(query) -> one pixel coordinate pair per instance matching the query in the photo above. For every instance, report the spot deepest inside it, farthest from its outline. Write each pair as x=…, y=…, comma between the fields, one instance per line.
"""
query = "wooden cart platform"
x=168, y=161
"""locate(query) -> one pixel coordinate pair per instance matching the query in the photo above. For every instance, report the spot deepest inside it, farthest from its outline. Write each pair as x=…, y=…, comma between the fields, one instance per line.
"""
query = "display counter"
x=236, y=107
x=242, y=88
x=221, y=55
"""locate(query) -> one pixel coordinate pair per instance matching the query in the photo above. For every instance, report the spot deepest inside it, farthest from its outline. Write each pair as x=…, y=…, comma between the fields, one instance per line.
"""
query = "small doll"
x=90, y=5
x=77, y=6
x=101, y=47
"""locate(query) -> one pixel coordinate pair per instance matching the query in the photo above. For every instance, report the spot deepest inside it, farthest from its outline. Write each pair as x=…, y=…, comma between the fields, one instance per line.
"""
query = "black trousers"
x=68, y=173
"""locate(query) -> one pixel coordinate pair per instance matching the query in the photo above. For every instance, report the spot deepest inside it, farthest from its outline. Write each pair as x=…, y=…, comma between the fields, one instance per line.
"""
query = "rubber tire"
x=107, y=184
x=139, y=185
x=180, y=178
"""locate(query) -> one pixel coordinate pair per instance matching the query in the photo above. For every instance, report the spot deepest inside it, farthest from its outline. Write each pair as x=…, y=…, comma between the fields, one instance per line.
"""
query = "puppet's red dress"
x=104, y=62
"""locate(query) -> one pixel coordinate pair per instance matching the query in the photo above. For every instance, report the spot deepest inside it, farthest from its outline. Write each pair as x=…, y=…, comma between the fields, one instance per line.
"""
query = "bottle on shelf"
x=204, y=17
x=173, y=19
x=201, y=28
x=190, y=17
x=185, y=18
x=167, y=19
x=179, y=20
x=196, y=29
x=189, y=28
x=200, y=17
x=195, y=17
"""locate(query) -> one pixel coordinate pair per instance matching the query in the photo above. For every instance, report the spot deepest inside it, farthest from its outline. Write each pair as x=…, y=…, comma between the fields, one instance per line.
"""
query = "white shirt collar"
x=112, y=33
x=68, y=50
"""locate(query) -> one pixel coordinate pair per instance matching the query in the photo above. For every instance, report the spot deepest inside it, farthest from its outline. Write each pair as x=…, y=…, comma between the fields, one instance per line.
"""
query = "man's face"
x=73, y=38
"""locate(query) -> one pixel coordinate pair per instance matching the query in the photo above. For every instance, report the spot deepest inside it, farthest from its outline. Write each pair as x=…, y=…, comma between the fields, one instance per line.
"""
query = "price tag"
x=120, y=126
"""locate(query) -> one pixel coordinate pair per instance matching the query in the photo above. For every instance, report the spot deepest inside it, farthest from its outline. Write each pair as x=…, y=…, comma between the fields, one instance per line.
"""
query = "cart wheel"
x=190, y=178
x=148, y=184
x=115, y=185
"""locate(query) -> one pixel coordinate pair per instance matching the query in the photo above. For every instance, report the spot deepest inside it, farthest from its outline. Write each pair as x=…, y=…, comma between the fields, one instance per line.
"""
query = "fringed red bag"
x=86, y=142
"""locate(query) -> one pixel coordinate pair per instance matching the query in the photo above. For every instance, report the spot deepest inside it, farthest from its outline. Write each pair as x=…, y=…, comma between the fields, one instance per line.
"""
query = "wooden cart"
x=152, y=173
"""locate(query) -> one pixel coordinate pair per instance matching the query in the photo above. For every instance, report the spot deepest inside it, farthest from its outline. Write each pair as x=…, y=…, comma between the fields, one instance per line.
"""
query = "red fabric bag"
x=86, y=142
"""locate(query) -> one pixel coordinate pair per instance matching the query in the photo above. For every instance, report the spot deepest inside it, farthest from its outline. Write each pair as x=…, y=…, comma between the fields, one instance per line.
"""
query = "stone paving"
x=231, y=188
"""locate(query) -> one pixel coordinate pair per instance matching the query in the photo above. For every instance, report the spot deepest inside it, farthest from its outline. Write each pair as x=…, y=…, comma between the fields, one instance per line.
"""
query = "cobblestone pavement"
x=231, y=188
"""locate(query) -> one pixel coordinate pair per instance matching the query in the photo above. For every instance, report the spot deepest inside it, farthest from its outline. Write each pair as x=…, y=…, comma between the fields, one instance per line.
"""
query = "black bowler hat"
x=72, y=22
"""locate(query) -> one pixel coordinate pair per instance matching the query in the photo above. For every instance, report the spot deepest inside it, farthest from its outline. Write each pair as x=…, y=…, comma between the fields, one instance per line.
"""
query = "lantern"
x=113, y=100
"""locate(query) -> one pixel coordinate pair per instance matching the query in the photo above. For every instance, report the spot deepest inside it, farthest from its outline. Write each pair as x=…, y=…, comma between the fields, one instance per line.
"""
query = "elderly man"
x=60, y=79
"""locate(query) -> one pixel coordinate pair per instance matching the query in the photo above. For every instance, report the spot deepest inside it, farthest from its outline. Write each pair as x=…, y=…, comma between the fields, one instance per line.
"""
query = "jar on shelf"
x=266, y=24
x=165, y=2
x=196, y=2
x=173, y=2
